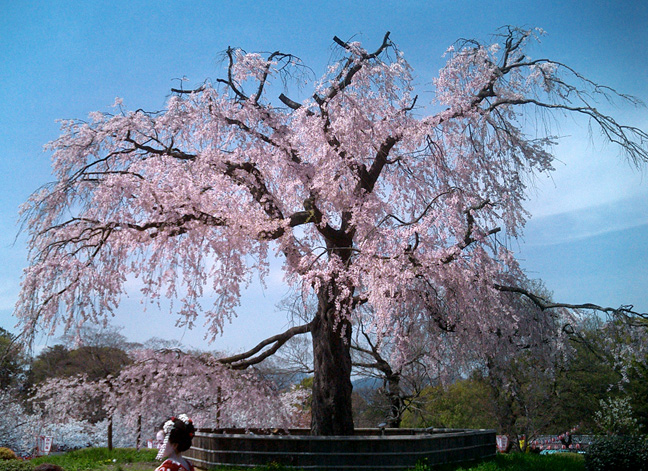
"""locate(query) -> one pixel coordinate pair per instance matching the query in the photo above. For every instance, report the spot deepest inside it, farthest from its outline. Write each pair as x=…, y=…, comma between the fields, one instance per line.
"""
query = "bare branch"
x=230, y=80
x=632, y=140
x=188, y=92
x=386, y=42
x=246, y=359
x=626, y=311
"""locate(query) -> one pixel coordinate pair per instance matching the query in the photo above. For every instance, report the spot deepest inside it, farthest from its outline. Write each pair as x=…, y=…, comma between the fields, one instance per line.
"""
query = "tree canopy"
x=368, y=197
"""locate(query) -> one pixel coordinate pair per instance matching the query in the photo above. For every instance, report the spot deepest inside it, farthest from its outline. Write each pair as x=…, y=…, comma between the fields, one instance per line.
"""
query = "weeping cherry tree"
x=368, y=196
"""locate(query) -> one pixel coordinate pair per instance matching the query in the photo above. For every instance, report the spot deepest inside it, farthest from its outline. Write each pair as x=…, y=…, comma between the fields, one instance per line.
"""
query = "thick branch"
x=368, y=178
x=351, y=68
x=246, y=359
x=468, y=236
x=380, y=365
x=176, y=225
x=170, y=151
x=289, y=103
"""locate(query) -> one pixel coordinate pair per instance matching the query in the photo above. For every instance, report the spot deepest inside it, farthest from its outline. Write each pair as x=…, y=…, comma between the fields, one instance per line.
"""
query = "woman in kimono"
x=178, y=434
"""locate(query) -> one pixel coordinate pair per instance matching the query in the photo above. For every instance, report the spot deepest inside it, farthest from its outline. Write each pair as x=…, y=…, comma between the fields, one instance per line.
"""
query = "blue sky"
x=588, y=237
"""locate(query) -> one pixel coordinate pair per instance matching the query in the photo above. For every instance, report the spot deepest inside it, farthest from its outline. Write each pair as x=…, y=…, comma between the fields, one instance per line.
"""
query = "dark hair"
x=182, y=434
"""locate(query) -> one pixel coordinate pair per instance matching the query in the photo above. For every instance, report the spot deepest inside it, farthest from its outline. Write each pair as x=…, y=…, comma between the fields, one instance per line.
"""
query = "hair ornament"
x=185, y=418
x=162, y=452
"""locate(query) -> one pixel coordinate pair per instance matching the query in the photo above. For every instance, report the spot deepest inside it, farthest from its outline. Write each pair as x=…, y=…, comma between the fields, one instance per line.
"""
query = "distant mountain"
x=366, y=383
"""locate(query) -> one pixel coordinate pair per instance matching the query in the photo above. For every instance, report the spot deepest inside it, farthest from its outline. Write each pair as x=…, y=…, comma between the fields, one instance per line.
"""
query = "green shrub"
x=16, y=465
x=617, y=453
x=7, y=454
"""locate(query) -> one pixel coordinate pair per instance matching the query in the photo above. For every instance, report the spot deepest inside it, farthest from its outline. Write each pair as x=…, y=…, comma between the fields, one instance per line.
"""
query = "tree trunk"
x=110, y=433
x=396, y=402
x=219, y=404
x=138, y=440
x=332, y=413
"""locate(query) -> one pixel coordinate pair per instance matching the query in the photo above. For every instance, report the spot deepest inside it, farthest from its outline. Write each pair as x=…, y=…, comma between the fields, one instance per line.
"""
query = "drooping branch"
x=627, y=311
x=252, y=357
x=94, y=227
x=632, y=140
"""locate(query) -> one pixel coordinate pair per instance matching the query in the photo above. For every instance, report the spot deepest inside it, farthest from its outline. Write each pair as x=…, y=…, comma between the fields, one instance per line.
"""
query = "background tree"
x=403, y=364
x=606, y=362
x=587, y=377
x=80, y=373
x=366, y=198
x=530, y=396
x=465, y=403
x=13, y=361
x=94, y=362
x=69, y=379
x=637, y=391
x=616, y=417
x=106, y=335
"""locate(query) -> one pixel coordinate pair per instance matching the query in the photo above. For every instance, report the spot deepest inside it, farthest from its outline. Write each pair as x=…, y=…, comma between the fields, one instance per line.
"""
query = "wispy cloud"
x=580, y=223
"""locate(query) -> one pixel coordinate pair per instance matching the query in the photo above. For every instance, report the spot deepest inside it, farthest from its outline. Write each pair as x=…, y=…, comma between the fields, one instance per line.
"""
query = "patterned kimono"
x=175, y=465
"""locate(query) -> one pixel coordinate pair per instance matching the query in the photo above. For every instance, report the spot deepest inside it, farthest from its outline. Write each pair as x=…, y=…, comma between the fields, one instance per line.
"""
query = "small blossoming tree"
x=158, y=384
x=366, y=197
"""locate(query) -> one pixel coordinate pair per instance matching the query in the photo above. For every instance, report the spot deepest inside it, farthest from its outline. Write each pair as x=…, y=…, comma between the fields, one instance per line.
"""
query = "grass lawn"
x=92, y=459
x=528, y=462
x=125, y=459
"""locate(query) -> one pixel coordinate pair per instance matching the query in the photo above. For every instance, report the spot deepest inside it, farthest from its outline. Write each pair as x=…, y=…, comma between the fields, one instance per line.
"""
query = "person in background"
x=178, y=434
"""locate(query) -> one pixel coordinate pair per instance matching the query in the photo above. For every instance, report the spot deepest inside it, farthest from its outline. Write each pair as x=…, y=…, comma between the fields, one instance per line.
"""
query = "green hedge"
x=617, y=453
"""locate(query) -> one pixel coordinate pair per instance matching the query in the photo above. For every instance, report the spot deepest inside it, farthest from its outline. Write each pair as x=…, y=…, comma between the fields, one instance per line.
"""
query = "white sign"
x=44, y=444
x=502, y=443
